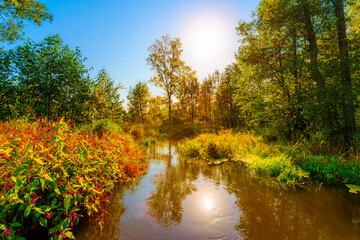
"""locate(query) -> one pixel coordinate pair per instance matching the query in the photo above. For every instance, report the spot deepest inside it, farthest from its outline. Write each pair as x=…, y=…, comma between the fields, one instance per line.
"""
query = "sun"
x=208, y=43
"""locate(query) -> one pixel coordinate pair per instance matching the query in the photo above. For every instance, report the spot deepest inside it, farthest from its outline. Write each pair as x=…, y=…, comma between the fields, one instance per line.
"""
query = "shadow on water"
x=187, y=199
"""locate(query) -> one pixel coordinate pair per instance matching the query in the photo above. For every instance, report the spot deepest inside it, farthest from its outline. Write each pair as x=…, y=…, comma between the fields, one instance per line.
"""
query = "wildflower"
x=74, y=214
x=71, y=192
x=32, y=201
x=37, y=138
x=69, y=136
x=7, y=232
x=78, y=191
x=56, y=133
x=41, y=155
x=101, y=168
x=70, y=218
x=41, y=129
x=50, y=129
x=71, y=224
x=14, y=134
x=35, y=195
x=49, y=216
x=107, y=198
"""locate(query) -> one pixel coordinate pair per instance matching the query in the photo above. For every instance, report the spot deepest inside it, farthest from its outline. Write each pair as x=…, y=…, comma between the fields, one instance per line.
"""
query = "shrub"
x=281, y=168
x=137, y=131
x=50, y=175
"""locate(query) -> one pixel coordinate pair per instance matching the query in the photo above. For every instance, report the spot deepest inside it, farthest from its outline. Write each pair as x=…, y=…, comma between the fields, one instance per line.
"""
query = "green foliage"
x=47, y=78
x=281, y=168
x=101, y=127
x=105, y=102
x=330, y=169
x=138, y=102
x=13, y=15
x=51, y=175
x=353, y=188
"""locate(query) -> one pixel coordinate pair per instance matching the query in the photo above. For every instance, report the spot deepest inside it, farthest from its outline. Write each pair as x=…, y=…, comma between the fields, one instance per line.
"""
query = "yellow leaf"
x=38, y=160
x=47, y=177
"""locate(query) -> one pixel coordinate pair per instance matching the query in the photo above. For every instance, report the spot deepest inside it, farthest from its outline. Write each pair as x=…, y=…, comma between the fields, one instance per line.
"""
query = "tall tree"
x=13, y=13
x=165, y=59
x=138, y=101
x=48, y=76
x=106, y=101
x=347, y=96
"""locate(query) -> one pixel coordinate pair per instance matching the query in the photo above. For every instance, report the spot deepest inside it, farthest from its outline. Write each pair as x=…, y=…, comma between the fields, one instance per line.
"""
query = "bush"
x=51, y=175
x=137, y=131
x=331, y=169
x=101, y=127
x=281, y=168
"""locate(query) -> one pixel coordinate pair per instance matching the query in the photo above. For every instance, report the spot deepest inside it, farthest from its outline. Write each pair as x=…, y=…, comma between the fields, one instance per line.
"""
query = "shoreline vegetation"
x=292, y=165
x=52, y=174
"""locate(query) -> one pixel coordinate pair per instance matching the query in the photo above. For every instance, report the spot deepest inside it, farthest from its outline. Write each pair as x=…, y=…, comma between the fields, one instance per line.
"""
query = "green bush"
x=281, y=168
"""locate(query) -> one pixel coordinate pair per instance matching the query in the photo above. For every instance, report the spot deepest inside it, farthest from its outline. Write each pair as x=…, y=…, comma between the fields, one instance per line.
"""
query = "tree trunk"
x=169, y=102
x=347, y=100
x=315, y=72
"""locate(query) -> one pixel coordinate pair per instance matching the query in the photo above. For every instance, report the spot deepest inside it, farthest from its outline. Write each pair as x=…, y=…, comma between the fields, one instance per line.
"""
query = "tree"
x=106, y=101
x=138, y=101
x=347, y=96
x=165, y=59
x=48, y=77
x=13, y=13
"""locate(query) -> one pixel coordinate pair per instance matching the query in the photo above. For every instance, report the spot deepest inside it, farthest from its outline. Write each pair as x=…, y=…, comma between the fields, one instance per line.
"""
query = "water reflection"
x=187, y=199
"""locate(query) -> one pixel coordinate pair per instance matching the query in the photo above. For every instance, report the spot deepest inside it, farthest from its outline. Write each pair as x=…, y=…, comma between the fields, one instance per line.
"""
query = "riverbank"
x=291, y=165
x=52, y=174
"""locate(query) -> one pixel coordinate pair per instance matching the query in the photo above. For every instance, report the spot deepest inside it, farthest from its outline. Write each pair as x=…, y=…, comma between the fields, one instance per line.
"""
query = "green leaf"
x=353, y=188
x=43, y=222
x=67, y=202
x=27, y=211
x=15, y=224
x=51, y=230
x=66, y=223
x=20, y=238
x=57, y=191
x=2, y=227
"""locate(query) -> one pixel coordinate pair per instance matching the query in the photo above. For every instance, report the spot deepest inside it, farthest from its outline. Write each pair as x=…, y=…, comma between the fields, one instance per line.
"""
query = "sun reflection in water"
x=208, y=203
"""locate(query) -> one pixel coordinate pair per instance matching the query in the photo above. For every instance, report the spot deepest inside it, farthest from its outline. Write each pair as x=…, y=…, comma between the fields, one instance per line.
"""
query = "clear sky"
x=115, y=34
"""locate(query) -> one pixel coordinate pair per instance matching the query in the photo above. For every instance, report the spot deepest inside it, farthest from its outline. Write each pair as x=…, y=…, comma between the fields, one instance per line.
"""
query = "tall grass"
x=291, y=164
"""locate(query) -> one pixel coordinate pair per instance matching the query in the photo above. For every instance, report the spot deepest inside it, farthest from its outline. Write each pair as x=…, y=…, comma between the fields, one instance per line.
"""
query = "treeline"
x=296, y=74
x=50, y=80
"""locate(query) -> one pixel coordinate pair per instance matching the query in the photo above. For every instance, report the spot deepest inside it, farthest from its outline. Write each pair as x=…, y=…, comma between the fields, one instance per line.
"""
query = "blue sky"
x=115, y=34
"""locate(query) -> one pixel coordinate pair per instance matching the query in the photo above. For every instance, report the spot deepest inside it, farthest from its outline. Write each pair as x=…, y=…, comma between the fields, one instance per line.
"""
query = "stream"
x=188, y=199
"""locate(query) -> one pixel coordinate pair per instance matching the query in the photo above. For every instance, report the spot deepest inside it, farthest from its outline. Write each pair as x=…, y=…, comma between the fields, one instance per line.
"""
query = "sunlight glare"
x=209, y=43
x=208, y=203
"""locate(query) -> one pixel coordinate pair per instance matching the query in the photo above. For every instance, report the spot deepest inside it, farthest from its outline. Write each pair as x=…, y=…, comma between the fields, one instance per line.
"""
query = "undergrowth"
x=51, y=174
x=290, y=164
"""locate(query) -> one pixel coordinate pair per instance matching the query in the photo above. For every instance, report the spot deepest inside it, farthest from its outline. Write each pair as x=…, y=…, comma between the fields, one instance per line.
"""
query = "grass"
x=52, y=174
x=288, y=164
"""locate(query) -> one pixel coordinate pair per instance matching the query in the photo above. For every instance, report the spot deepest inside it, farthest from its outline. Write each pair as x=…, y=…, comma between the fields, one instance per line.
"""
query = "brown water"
x=184, y=199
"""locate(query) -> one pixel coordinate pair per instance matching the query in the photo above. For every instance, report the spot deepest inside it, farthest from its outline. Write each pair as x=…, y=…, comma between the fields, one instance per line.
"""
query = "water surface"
x=187, y=199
